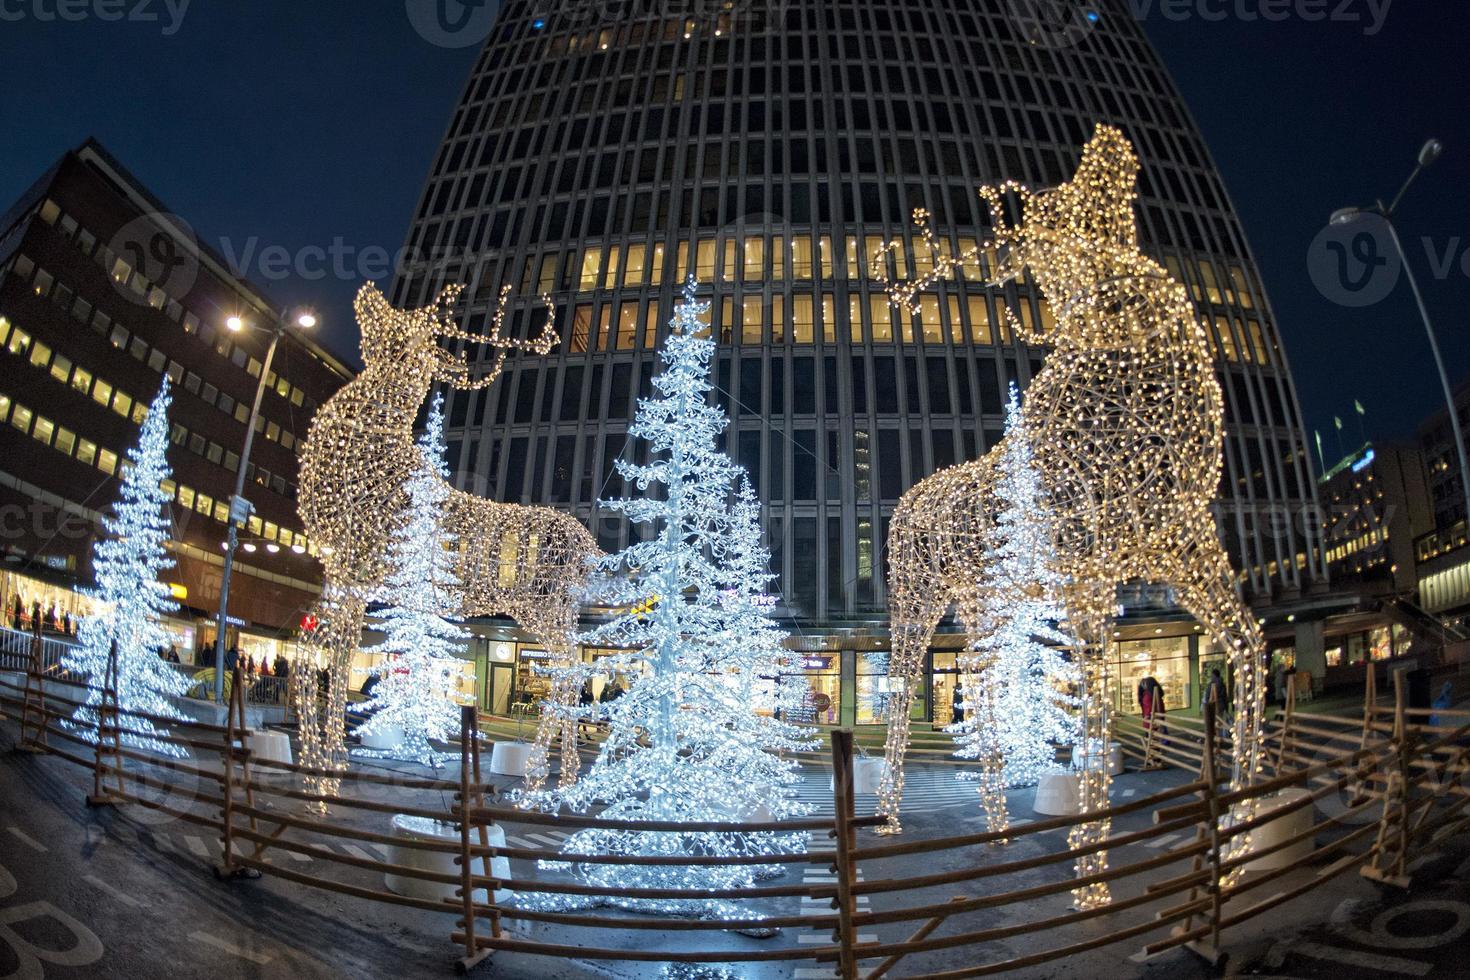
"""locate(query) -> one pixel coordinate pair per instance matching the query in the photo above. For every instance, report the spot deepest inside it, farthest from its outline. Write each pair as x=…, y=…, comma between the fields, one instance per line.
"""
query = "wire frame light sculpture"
x=527, y=563
x=1127, y=422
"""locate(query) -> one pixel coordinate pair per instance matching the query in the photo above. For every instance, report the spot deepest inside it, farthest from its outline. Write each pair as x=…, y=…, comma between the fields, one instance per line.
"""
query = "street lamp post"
x=240, y=508
x=1427, y=156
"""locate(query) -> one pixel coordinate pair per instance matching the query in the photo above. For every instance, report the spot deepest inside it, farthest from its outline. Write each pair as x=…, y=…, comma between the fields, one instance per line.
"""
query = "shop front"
x=819, y=678
x=1172, y=661
x=28, y=599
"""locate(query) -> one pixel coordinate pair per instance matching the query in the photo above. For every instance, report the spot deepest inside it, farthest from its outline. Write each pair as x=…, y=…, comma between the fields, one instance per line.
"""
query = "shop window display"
x=820, y=674
x=946, y=687
x=1166, y=660
x=873, y=687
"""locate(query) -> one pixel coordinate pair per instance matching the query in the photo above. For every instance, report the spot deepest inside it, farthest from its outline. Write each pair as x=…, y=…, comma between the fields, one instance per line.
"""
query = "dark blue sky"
x=312, y=125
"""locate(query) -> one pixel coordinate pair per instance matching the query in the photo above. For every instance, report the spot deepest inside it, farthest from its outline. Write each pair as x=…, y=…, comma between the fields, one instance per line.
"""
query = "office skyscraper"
x=602, y=155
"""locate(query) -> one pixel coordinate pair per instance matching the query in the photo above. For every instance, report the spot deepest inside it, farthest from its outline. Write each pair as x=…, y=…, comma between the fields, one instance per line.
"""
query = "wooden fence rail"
x=1362, y=793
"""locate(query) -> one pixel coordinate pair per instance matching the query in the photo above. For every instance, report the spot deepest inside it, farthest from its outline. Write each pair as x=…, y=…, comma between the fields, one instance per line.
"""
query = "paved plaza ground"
x=137, y=888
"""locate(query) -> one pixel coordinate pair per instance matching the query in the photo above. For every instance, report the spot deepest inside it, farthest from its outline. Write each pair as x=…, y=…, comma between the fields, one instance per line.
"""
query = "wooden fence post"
x=1287, y=717
x=108, y=722
x=469, y=769
x=1393, y=828
x=35, y=699
x=234, y=731
x=1210, y=796
x=846, y=834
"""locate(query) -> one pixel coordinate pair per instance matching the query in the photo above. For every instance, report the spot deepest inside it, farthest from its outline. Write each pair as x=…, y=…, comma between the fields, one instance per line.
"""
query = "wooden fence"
x=1363, y=794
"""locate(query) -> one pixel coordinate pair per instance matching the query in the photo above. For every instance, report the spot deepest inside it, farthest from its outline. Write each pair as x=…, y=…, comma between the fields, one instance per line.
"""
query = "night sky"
x=300, y=125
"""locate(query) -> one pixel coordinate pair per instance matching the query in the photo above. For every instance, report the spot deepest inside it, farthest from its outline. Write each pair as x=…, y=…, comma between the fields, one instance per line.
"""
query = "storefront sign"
x=816, y=663
x=180, y=592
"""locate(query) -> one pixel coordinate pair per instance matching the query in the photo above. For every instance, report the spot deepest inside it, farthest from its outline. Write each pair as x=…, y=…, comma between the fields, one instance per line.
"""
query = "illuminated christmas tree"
x=127, y=562
x=696, y=735
x=421, y=667
x=1020, y=694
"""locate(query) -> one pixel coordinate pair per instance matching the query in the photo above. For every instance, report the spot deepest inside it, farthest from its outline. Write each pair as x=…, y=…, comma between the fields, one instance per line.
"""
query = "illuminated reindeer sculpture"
x=528, y=563
x=1126, y=417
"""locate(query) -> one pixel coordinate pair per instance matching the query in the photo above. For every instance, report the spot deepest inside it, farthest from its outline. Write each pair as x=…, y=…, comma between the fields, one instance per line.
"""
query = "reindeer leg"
x=1206, y=588
x=910, y=640
x=1090, y=615
x=321, y=725
x=334, y=730
x=556, y=721
x=977, y=685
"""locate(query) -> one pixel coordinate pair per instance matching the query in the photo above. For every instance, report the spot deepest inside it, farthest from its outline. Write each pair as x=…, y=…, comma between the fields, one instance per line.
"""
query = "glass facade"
x=769, y=152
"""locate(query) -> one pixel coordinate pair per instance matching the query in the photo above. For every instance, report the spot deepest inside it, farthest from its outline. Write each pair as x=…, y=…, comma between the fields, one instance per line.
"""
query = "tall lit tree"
x=127, y=562
x=696, y=736
x=1020, y=689
x=421, y=667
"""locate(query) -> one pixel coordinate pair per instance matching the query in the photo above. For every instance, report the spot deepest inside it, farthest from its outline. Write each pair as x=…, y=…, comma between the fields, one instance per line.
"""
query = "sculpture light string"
x=1128, y=426
x=528, y=563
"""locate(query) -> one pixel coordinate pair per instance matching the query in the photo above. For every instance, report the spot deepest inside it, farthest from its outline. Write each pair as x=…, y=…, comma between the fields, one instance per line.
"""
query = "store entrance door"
x=497, y=693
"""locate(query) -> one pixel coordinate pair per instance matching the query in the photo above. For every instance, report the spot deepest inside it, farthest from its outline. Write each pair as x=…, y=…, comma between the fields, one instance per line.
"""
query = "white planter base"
x=1059, y=794
x=866, y=775
x=385, y=740
x=510, y=758
x=442, y=862
x=269, y=746
x=1282, y=828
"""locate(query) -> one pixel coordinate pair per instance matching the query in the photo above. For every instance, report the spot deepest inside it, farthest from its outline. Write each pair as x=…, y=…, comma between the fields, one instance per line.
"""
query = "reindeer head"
x=1069, y=237
x=413, y=343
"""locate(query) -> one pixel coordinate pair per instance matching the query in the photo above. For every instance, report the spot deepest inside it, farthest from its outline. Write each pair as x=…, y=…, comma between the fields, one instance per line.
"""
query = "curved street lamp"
x=1430, y=153
x=240, y=508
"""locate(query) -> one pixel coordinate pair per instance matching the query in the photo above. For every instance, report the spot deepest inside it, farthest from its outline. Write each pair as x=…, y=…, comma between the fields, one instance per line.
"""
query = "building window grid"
x=957, y=362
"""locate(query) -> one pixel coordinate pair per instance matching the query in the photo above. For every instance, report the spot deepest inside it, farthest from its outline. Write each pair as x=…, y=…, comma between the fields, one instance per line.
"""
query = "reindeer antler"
x=541, y=344
x=942, y=263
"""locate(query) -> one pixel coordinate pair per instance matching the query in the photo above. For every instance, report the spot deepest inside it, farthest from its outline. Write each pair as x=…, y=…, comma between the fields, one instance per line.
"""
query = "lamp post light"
x=240, y=508
x=1430, y=153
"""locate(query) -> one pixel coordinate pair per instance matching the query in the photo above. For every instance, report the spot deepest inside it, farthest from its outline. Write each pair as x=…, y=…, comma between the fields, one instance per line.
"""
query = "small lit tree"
x=127, y=562
x=696, y=736
x=421, y=667
x=1020, y=689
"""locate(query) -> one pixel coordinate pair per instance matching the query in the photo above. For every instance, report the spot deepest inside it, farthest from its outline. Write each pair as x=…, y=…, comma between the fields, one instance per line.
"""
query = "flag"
x=1358, y=407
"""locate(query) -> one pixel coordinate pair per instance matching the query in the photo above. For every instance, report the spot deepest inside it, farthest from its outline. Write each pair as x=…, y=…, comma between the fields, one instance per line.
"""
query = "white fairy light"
x=695, y=737
x=132, y=601
x=419, y=675
x=1018, y=687
x=1127, y=416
